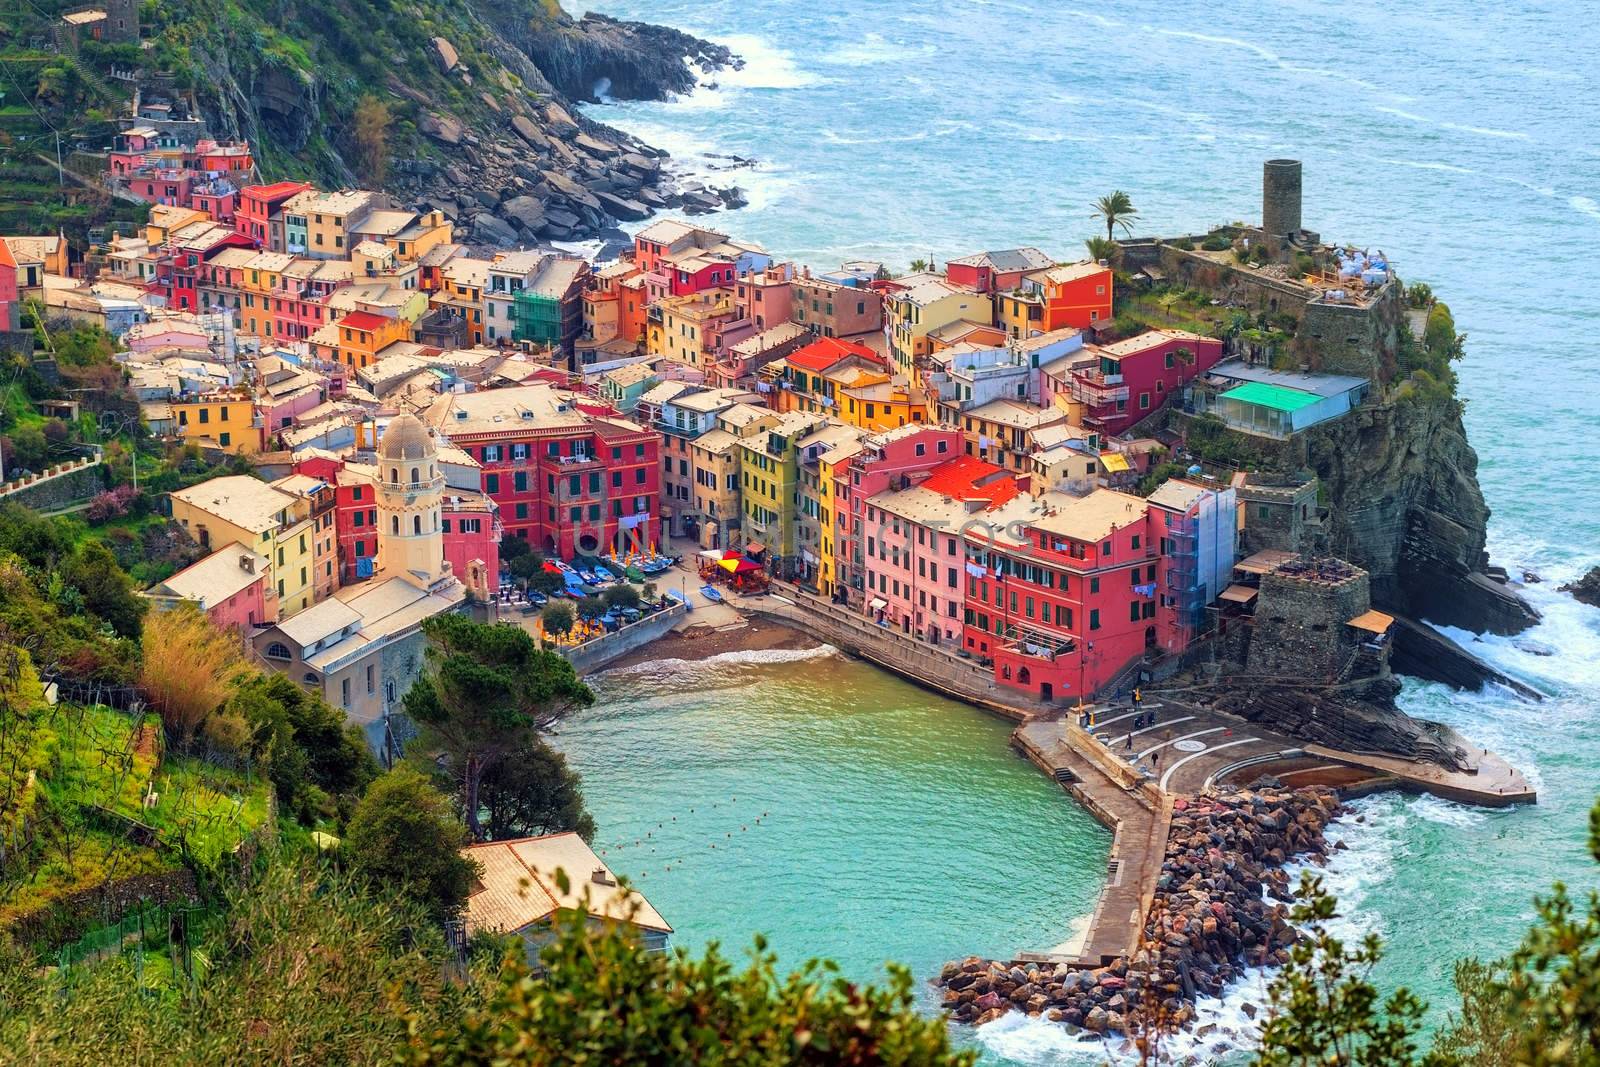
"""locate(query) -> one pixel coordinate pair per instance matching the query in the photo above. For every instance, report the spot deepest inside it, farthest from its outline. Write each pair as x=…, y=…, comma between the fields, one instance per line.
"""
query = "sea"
x=1459, y=139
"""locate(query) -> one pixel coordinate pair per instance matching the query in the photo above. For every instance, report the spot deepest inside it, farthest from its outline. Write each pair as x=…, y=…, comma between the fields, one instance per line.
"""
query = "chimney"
x=601, y=876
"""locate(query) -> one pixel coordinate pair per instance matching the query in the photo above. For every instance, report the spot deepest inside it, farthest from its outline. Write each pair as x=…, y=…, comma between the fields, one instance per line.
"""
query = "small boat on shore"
x=711, y=593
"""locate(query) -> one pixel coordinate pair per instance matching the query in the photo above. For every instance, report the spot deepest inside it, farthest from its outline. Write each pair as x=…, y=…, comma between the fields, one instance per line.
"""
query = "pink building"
x=916, y=554
x=1134, y=378
x=886, y=461
x=230, y=586
x=766, y=297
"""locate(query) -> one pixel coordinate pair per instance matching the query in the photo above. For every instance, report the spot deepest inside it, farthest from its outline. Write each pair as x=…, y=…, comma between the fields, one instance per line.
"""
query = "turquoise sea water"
x=1459, y=140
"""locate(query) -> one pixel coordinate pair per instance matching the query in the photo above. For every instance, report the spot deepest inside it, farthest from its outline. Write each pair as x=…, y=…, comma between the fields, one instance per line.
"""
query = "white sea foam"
x=1445, y=812
x=750, y=657
x=1586, y=205
x=873, y=49
x=765, y=65
x=1371, y=846
x=1481, y=131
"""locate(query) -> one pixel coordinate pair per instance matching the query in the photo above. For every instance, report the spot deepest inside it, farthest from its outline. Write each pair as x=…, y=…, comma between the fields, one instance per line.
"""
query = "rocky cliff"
x=1402, y=481
x=464, y=106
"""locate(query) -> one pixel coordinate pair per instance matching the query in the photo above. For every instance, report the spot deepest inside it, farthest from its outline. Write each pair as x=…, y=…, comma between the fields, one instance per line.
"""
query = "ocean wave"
x=1481, y=131
x=874, y=49
x=832, y=137
x=765, y=65
x=1586, y=205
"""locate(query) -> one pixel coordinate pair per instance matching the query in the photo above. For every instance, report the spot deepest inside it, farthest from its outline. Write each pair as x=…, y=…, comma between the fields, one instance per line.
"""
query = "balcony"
x=577, y=461
x=1098, y=390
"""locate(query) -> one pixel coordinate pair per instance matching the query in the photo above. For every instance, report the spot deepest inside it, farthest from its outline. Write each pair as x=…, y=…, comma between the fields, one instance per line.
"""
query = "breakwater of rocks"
x=1220, y=906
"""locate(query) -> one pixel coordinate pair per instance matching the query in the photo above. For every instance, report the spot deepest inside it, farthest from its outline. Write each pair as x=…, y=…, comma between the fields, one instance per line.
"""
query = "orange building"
x=1072, y=294
x=356, y=339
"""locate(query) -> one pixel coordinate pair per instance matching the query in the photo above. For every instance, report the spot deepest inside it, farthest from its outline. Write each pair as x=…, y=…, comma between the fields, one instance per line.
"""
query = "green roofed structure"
x=1270, y=403
x=1274, y=410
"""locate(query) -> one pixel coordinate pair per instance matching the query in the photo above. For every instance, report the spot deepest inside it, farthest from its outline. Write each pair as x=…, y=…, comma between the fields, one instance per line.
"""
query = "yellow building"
x=686, y=329
x=409, y=234
x=326, y=221
x=462, y=282
x=814, y=533
x=221, y=420
x=268, y=521
x=926, y=303
x=769, y=481
x=831, y=466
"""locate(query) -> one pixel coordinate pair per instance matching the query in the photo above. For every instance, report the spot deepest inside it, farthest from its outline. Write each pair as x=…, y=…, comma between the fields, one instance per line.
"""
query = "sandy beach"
x=699, y=641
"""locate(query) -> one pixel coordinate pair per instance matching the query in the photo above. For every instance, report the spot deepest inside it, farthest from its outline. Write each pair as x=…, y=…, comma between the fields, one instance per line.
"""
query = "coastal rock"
x=1207, y=922
x=1586, y=589
x=525, y=128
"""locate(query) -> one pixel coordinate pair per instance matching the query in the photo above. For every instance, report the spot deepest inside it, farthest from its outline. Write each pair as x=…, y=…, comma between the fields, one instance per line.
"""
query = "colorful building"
x=268, y=521
x=769, y=480
x=1065, y=599
x=1136, y=377
x=222, y=420
x=259, y=215
x=230, y=586
x=567, y=478
x=920, y=304
x=884, y=461
x=916, y=550
x=320, y=224
x=1073, y=295
x=689, y=329
x=995, y=272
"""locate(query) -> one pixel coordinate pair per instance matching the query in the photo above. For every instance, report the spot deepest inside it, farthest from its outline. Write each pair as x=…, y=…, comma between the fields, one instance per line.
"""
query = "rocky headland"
x=480, y=107
x=1221, y=906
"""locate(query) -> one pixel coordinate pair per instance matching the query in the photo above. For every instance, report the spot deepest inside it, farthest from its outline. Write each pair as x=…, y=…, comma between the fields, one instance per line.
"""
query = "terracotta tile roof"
x=823, y=353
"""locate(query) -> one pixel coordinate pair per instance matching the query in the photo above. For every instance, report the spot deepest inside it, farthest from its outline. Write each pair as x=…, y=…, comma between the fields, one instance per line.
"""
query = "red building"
x=1064, y=608
x=994, y=272
x=1134, y=378
x=259, y=215
x=676, y=258
x=567, y=479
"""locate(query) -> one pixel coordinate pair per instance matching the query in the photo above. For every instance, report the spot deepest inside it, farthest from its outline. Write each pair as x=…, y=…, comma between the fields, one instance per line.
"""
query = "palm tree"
x=1101, y=248
x=918, y=266
x=1116, y=210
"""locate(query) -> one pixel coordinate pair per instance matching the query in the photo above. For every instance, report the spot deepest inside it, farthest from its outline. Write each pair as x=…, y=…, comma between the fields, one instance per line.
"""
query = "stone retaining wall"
x=51, y=491
x=927, y=665
x=591, y=656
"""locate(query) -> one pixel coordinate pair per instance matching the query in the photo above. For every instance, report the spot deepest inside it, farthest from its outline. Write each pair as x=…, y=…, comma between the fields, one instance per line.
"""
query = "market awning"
x=1239, y=594
x=1374, y=622
x=754, y=548
x=878, y=603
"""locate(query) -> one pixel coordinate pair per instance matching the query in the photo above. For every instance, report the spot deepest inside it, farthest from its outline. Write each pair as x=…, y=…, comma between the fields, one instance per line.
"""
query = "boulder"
x=644, y=166
x=1096, y=1020
x=444, y=54
x=594, y=146
x=528, y=131
x=491, y=231
x=559, y=121
x=446, y=129
x=525, y=212
x=571, y=190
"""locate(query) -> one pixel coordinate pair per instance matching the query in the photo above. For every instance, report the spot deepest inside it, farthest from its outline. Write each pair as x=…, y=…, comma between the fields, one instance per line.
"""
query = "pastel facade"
x=1136, y=377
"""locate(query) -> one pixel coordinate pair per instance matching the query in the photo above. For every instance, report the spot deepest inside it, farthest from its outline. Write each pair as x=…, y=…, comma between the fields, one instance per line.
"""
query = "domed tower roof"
x=406, y=438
